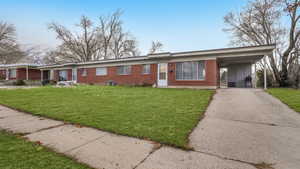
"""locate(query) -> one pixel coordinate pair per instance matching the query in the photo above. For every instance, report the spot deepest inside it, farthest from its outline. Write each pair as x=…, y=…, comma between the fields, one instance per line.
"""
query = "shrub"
x=260, y=79
x=45, y=82
x=52, y=82
x=19, y=83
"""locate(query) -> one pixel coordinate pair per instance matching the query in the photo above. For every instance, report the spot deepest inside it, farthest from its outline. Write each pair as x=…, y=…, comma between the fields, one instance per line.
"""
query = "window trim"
x=82, y=71
x=15, y=73
x=147, y=73
x=101, y=68
x=59, y=75
x=124, y=73
x=204, y=79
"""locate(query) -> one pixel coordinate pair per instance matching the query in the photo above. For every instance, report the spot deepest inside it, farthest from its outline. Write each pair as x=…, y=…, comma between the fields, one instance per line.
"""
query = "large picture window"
x=63, y=74
x=190, y=70
x=124, y=70
x=13, y=73
x=101, y=71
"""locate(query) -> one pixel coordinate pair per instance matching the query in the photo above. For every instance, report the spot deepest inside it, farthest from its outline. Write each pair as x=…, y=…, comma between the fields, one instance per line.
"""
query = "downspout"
x=265, y=72
x=27, y=73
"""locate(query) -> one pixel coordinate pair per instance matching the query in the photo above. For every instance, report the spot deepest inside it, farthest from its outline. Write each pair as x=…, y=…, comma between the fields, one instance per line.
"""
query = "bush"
x=19, y=83
x=260, y=79
x=52, y=82
x=45, y=82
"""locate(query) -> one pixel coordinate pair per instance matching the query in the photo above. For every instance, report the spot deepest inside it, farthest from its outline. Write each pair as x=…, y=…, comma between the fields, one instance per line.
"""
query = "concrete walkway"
x=242, y=127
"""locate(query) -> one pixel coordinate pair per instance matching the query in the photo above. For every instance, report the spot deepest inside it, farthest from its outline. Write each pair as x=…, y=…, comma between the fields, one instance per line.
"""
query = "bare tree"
x=105, y=40
x=260, y=23
x=74, y=47
x=155, y=47
x=10, y=51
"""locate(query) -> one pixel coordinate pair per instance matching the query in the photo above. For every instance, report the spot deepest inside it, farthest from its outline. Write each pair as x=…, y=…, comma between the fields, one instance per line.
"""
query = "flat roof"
x=165, y=55
x=19, y=65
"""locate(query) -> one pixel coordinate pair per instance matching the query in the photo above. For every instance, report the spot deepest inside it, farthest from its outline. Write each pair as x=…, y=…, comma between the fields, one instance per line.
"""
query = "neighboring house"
x=197, y=69
x=20, y=72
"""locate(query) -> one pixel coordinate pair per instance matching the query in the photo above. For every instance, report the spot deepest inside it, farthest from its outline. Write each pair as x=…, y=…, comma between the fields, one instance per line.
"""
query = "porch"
x=239, y=71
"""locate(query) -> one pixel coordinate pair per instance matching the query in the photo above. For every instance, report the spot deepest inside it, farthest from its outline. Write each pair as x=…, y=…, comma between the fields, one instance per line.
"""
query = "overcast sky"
x=181, y=25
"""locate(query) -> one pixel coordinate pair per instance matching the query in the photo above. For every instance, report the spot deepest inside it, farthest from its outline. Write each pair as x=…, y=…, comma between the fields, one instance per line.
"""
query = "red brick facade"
x=33, y=74
x=2, y=74
x=135, y=78
x=138, y=78
x=210, y=77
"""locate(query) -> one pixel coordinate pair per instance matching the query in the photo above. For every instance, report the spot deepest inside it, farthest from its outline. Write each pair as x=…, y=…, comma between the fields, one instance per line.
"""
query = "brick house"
x=196, y=69
x=20, y=72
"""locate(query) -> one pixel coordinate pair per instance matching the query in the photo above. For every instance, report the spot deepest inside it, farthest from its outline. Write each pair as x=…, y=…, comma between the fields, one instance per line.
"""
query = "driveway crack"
x=155, y=148
x=83, y=144
x=232, y=159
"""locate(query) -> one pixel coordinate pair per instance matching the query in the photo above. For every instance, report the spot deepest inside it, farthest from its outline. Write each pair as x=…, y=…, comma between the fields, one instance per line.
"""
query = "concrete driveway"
x=249, y=126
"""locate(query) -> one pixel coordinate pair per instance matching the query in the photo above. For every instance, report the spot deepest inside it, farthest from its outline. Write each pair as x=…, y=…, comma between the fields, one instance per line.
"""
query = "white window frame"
x=204, y=71
x=148, y=70
x=12, y=75
x=84, y=72
x=101, y=71
x=124, y=68
x=65, y=73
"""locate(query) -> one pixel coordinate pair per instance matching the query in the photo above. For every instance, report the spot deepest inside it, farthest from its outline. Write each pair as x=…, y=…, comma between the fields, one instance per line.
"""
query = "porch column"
x=7, y=74
x=27, y=73
x=51, y=74
x=265, y=73
x=255, y=77
x=42, y=75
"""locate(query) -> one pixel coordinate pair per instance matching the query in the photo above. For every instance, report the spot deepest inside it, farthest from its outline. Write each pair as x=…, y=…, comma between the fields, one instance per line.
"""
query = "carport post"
x=255, y=76
x=265, y=73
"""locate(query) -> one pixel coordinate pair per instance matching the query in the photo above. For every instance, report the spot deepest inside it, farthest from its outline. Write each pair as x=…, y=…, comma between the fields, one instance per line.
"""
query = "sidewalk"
x=100, y=149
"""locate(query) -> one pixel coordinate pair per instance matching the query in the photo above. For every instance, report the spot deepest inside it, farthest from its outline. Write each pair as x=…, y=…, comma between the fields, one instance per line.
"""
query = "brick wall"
x=33, y=74
x=210, y=78
x=2, y=74
x=136, y=76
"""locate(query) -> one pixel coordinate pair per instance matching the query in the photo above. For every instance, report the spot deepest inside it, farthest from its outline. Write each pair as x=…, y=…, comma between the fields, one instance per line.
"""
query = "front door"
x=162, y=77
x=74, y=74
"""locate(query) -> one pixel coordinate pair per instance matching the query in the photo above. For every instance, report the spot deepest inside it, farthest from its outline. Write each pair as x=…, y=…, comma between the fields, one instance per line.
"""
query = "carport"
x=241, y=66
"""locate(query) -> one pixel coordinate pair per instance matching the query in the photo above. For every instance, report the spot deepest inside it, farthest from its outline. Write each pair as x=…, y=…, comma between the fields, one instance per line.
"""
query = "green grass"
x=16, y=153
x=163, y=115
x=291, y=97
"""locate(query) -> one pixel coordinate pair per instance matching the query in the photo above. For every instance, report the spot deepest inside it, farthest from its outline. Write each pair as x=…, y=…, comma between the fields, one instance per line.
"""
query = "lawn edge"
x=268, y=92
x=188, y=147
x=103, y=130
x=20, y=136
x=183, y=147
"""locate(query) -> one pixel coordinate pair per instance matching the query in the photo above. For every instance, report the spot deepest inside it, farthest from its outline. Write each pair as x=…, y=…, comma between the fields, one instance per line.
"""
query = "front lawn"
x=291, y=97
x=163, y=115
x=16, y=153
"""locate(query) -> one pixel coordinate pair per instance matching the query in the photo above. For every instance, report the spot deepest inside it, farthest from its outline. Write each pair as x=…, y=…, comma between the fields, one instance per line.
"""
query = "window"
x=190, y=70
x=146, y=69
x=74, y=74
x=124, y=70
x=13, y=73
x=84, y=72
x=62, y=75
x=101, y=71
